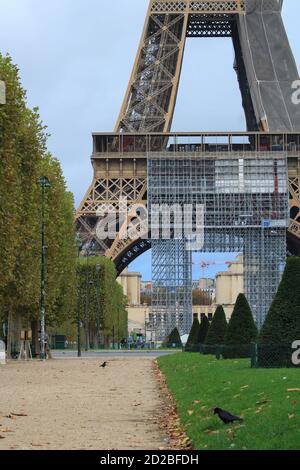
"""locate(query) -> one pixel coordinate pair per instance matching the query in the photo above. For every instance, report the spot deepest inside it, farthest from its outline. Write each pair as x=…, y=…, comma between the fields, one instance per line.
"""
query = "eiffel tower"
x=266, y=74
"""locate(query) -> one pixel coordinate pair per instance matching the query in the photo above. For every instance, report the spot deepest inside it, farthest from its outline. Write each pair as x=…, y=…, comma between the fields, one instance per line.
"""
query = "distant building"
x=146, y=287
x=223, y=291
x=131, y=283
x=206, y=284
x=138, y=314
x=228, y=285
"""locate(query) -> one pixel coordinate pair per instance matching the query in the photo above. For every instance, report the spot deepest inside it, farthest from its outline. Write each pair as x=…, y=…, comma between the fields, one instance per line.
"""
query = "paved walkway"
x=74, y=404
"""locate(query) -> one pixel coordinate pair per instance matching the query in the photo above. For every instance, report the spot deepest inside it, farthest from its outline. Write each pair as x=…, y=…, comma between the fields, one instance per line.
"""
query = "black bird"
x=225, y=416
x=103, y=365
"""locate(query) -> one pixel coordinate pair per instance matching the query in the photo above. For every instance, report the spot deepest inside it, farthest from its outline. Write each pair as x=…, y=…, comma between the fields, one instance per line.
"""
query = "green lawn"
x=271, y=413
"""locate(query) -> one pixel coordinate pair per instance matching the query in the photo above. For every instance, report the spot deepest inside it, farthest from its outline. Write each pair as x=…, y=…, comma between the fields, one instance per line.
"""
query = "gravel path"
x=74, y=404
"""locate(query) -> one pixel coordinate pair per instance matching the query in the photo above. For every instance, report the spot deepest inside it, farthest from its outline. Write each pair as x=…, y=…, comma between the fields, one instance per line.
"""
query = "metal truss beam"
x=208, y=26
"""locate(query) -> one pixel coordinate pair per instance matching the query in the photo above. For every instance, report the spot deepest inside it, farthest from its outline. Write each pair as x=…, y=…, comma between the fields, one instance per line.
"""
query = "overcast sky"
x=75, y=59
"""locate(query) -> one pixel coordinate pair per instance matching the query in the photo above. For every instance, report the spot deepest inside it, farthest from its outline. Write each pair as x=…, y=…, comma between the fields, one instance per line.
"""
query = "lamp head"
x=44, y=182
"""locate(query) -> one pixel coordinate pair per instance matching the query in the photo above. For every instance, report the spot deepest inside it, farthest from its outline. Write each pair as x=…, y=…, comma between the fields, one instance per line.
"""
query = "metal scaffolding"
x=172, y=287
x=245, y=202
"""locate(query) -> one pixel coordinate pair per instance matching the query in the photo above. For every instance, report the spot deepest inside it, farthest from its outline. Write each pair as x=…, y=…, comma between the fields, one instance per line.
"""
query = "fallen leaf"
x=291, y=416
x=211, y=431
x=259, y=410
x=196, y=402
x=186, y=440
x=293, y=389
x=264, y=402
x=244, y=386
x=190, y=412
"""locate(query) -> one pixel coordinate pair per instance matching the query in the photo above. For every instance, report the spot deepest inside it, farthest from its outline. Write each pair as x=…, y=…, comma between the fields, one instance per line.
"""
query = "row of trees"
x=282, y=324
x=24, y=159
x=241, y=329
x=102, y=304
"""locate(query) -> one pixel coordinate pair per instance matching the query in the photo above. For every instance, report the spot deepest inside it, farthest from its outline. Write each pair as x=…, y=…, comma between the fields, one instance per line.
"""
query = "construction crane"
x=203, y=264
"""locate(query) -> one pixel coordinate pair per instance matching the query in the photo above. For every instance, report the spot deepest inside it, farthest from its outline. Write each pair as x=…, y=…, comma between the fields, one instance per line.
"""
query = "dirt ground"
x=74, y=404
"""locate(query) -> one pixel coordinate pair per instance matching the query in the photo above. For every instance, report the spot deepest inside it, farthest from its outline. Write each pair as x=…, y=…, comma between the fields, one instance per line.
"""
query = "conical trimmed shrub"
x=282, y=324
x=173, y=339
x=192, y=342
x=203, y=330
x=194, y=333
x=218, y=328
x=241, y=331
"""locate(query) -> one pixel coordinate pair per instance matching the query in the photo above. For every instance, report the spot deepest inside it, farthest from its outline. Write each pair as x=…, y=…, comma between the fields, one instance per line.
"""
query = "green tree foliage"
x=173, y=339
x=201, y=297
x=203, y=329
x=194, y=333
x=23, y=160
x=282, y=324
x=241, y=331
x=218, y=328
x=102, y=302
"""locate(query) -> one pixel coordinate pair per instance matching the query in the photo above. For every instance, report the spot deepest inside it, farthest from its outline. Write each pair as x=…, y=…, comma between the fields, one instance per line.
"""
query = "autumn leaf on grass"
x=196, y=402
x=211, y=431
x=291, y=416
x=190, y=412
x=244, y=387
x=230, y=433
x=185, y=441
x=293, y=389
x=259, y=410
x=264, y=402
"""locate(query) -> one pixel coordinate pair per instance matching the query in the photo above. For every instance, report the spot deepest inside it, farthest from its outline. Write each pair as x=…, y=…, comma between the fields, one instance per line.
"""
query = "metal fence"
x=265, y=356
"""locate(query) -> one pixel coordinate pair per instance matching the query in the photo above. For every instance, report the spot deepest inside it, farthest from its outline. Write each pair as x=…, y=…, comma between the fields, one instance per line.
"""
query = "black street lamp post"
x=44, y=183
x=78, y=300
x=98, y=268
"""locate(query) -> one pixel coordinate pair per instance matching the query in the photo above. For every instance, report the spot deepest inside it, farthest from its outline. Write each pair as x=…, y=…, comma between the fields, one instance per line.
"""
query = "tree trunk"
x=14, y=327
x=35, y=338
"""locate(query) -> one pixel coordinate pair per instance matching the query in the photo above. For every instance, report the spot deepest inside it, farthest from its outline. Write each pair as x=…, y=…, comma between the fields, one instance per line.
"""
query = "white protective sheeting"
x=270, y=65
